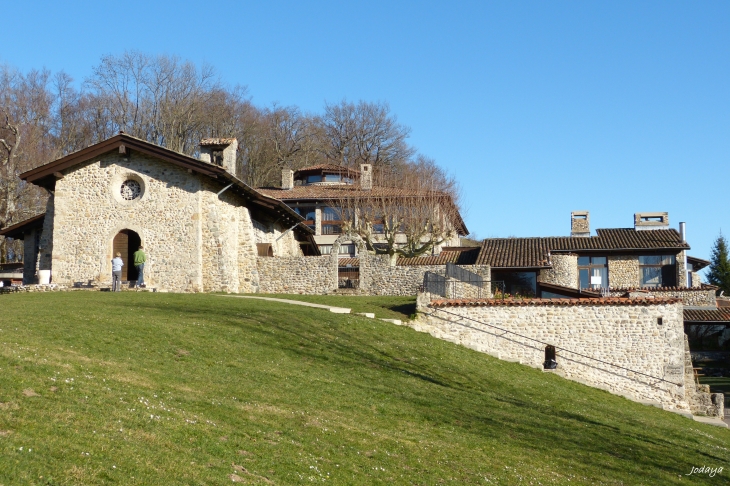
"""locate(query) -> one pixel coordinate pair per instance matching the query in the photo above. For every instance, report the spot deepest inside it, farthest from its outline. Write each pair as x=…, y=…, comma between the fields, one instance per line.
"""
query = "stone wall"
x=195, y=239
x=621, y=333
x=623, y=271
x=296, y=275
x=564, y=271
x=690, y=297
x=385, y=279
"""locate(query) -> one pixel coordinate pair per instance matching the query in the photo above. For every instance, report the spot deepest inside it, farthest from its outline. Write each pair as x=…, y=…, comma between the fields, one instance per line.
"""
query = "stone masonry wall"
x=625, y=335
x=385, y=279
x=564, y=271
x=195, y=239
x=690, y=297
x=623, y=271
x=295, y=275
x=89, y=212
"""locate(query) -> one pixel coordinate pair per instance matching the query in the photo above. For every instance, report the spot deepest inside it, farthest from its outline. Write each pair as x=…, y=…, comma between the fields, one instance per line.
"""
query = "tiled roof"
x=545, y=302
x=467, y=257
x=533, y=252
x=216, y=141
x=709, y=315
x=343, y=262
x=339, y=191
x=343, y=191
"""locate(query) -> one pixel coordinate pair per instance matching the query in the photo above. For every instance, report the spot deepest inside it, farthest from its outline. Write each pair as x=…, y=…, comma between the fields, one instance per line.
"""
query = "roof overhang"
x=46, y=175
x=17, y=231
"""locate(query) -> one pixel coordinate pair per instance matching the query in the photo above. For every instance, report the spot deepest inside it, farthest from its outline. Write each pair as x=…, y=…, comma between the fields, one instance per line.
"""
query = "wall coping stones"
x=548, y=302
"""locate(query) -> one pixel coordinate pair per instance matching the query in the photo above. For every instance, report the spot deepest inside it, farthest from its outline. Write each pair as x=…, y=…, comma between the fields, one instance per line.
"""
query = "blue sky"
x=538, y=108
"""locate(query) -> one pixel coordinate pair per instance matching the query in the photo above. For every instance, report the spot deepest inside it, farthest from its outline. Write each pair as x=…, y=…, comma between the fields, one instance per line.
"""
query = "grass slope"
x=141, y=388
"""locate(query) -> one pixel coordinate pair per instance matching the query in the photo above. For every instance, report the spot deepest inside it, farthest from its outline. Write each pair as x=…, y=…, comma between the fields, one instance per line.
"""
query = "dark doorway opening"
x=550, y=363
x=127, y=242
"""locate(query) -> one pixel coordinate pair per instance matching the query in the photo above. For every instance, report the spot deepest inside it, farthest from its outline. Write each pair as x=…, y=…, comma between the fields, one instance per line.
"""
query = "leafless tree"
x=409, y=210
x=363, y=133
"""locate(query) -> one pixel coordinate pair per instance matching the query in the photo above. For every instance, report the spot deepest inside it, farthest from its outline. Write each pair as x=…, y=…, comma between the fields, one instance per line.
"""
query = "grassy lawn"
x=148, y=389
x=402, y=308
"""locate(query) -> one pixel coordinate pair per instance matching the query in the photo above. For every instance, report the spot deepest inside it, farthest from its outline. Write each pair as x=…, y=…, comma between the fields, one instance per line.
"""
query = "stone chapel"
x=201, y=227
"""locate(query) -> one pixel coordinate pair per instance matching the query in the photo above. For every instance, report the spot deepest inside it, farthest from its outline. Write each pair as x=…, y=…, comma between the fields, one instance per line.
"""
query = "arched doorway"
x=127, y=242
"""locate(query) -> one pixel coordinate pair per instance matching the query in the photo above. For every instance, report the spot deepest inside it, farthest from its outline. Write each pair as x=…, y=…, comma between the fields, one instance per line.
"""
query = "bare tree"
x=363, y=133
x=409, y=210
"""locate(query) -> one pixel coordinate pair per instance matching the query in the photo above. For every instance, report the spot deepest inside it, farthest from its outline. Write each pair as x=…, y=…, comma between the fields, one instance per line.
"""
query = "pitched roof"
x=707, y=315
x=17, y=231
x=46, y=175
x=314, y=193
x=464, y=257
x=533, y=252
x=697, y=263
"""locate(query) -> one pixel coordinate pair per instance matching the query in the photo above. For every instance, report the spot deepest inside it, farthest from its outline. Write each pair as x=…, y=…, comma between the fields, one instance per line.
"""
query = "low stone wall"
x=619, y=345
x=296, y=275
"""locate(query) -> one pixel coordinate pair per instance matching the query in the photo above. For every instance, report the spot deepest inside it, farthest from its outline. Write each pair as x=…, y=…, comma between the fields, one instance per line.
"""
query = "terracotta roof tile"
x=216, y=141
x=533, y=252
x=709, y=315
x=465, y=257
x=546, y=302
x=343, y=262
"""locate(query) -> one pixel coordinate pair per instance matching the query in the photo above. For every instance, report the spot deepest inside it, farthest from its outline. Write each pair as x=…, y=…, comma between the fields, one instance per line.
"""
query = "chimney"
x=580, y=224
x=651, y=221
x=287, y=179
x=220, y=152
x=366, y=177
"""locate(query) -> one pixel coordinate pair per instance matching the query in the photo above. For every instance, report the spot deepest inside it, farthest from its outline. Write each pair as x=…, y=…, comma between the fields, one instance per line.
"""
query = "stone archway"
x=362, y=252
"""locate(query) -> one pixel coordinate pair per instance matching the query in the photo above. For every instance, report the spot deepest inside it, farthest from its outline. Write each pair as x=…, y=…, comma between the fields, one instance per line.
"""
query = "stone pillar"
x=318, y=222
x=366, y=177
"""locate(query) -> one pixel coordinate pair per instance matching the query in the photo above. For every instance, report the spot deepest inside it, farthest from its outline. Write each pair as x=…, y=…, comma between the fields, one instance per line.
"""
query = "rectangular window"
x=658, y=270
x=309, y=214
x=325, y=249
x=523, y=284
x=592, y=272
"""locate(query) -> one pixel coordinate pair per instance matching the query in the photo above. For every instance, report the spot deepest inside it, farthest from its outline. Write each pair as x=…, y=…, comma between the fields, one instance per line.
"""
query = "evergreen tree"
x=719, y=273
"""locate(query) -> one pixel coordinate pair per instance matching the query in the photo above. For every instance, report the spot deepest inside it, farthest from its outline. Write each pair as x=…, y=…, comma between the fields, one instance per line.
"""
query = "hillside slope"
x=135, y=388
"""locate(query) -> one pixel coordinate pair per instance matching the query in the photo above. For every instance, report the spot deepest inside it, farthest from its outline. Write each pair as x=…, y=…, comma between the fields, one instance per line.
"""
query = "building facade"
x=200, y=226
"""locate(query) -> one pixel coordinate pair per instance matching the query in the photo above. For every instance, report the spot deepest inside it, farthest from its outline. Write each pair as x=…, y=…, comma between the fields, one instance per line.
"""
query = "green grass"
x=383, y=307
x=148, y=389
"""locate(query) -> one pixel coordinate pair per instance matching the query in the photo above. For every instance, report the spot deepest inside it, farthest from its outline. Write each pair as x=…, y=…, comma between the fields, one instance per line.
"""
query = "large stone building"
x=321, y=194
x=201, y=227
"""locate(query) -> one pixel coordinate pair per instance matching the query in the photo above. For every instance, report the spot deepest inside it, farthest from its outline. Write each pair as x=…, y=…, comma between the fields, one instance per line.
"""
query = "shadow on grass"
x=516, y=406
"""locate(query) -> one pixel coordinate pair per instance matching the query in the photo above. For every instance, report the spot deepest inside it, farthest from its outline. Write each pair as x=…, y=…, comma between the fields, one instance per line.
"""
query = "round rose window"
x=131, y=190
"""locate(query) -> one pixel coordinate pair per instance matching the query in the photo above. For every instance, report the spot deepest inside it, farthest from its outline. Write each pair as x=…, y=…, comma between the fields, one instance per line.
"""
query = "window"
x=264, y=249
x=658, y=270
x=592, y=272
x=347, y=250
x=309, y=213
x=523, y=284
x=331, y=221
x=314, y=178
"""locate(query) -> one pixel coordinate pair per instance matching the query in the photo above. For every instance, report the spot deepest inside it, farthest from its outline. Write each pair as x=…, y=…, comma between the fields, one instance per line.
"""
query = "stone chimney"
x=580, y=224
x=220, y=152
x=651, y=221
x=366, y=177
x=287, y=179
